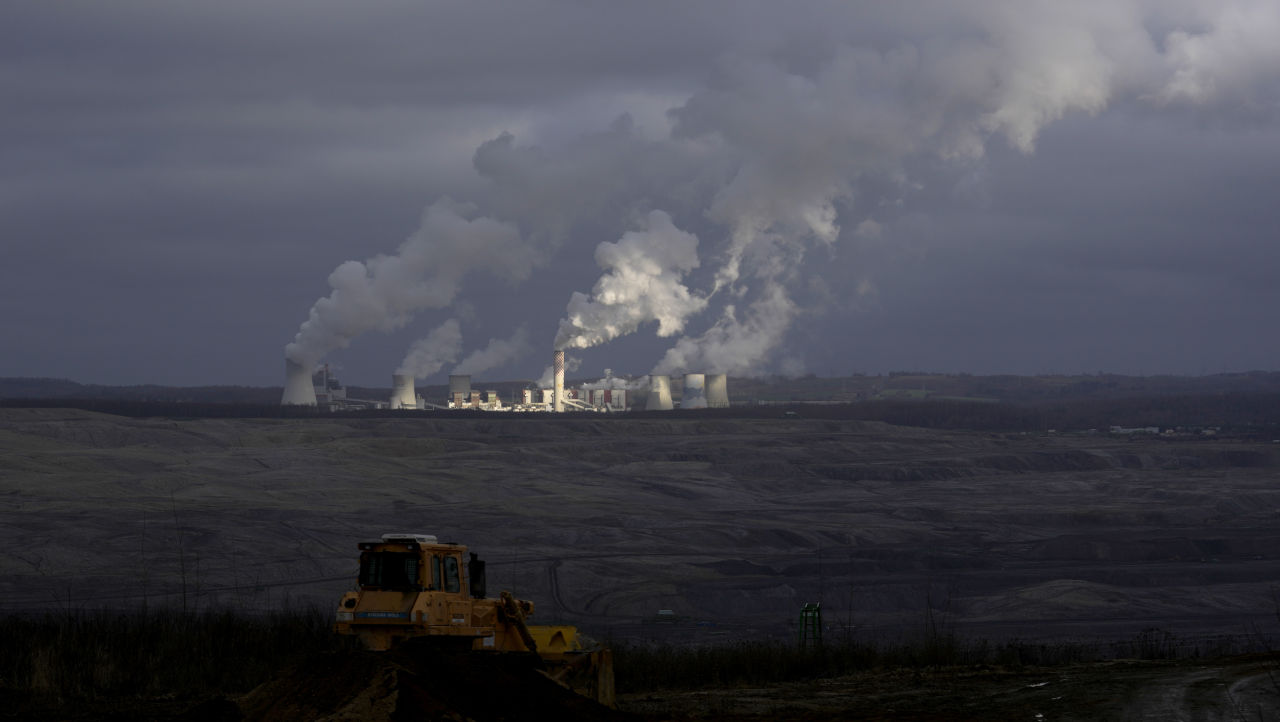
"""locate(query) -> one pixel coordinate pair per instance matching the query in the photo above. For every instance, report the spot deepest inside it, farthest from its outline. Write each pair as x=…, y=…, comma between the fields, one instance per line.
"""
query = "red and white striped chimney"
x=557, y=365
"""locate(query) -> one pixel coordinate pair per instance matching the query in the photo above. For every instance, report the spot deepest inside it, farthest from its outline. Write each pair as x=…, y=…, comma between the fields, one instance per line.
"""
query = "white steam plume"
x=805, y=141
x=498, y=352
x=619, y=382
x=738, y=343
x=430, y=354
x=571, y=364
x=643, y=283
x=1236, y=54
x=426, y=271
x=798, y=141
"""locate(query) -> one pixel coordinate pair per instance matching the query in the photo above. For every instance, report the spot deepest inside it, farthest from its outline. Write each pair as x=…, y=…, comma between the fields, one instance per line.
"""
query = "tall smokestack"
x=695, y=392
x=298, y=390
x=557, y=364
x=403, y=395
x=659, y=394
x=717, y=391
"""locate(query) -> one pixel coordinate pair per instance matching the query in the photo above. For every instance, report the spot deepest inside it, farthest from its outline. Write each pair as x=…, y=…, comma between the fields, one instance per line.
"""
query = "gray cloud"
x=180, y=180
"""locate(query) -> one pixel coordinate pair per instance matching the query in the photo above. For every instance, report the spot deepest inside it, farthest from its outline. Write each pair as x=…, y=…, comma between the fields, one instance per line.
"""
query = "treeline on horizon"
x=1250, y=414
x=742, y=390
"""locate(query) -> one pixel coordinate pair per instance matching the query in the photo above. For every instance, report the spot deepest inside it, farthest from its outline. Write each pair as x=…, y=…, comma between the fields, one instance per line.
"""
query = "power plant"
x=659, y=394
x=298, y=390
x=557, y=369
x=459, y=389
x=402, y=393
x=318, y=388
x=695, y=396
x=717, y=391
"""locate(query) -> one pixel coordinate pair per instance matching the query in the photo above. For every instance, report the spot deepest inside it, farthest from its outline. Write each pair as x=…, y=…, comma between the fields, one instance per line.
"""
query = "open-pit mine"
x=678, y=529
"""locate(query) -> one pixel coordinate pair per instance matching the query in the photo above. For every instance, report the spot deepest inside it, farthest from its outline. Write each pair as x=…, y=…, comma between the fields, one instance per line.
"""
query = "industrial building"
x=695, y=396
x=298, y=389
x=659, y=394
x=301, y=389
x=717, y=391
x=608, y=394
x=403, y=395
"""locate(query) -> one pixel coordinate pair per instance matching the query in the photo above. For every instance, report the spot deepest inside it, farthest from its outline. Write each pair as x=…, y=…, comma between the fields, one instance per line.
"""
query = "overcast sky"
x=186, y=189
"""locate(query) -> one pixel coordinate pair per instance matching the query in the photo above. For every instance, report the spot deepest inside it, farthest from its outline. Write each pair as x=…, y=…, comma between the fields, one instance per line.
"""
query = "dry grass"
x=93, y=655
x=642, y=668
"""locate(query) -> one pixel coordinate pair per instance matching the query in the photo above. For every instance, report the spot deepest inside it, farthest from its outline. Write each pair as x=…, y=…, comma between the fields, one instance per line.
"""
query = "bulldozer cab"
x=412, y=586
x=418, y=563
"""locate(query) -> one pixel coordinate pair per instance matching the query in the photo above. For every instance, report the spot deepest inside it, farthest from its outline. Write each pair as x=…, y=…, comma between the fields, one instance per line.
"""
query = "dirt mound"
x=418, y=683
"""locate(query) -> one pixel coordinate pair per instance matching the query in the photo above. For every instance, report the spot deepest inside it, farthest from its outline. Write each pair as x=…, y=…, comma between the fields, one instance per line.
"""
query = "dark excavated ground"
x=731, y=524
x=412, y=682
x=417, y=683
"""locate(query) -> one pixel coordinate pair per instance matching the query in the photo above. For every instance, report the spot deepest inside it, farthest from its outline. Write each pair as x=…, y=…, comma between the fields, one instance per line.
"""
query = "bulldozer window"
x=451, y=579
x=389, y=570
x=435, y=573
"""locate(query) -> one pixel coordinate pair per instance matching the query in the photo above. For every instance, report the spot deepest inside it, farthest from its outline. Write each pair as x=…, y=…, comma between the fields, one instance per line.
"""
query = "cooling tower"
x=557, y=365
x=460, y=384
x=659, y=394
x=298, y=390
x=695, y=392
x=717, y=391
x=403, y=395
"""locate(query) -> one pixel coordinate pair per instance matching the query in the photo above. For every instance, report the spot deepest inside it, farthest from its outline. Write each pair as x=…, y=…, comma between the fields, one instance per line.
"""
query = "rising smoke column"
x=498, y=352
x=643, y=282
x=430, y=354
x=792, y=145
x=805, y=142
x=740, y=340
x=427, y=270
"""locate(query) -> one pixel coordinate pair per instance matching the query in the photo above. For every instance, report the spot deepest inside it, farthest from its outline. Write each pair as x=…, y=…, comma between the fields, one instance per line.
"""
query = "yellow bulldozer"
x=412, y=586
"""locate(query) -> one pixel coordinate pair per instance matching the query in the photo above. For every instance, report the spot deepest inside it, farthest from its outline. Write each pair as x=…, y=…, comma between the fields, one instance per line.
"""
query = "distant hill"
x=896, y=386
x=1006, y=388
x=46, y=388
x=1242, y=404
